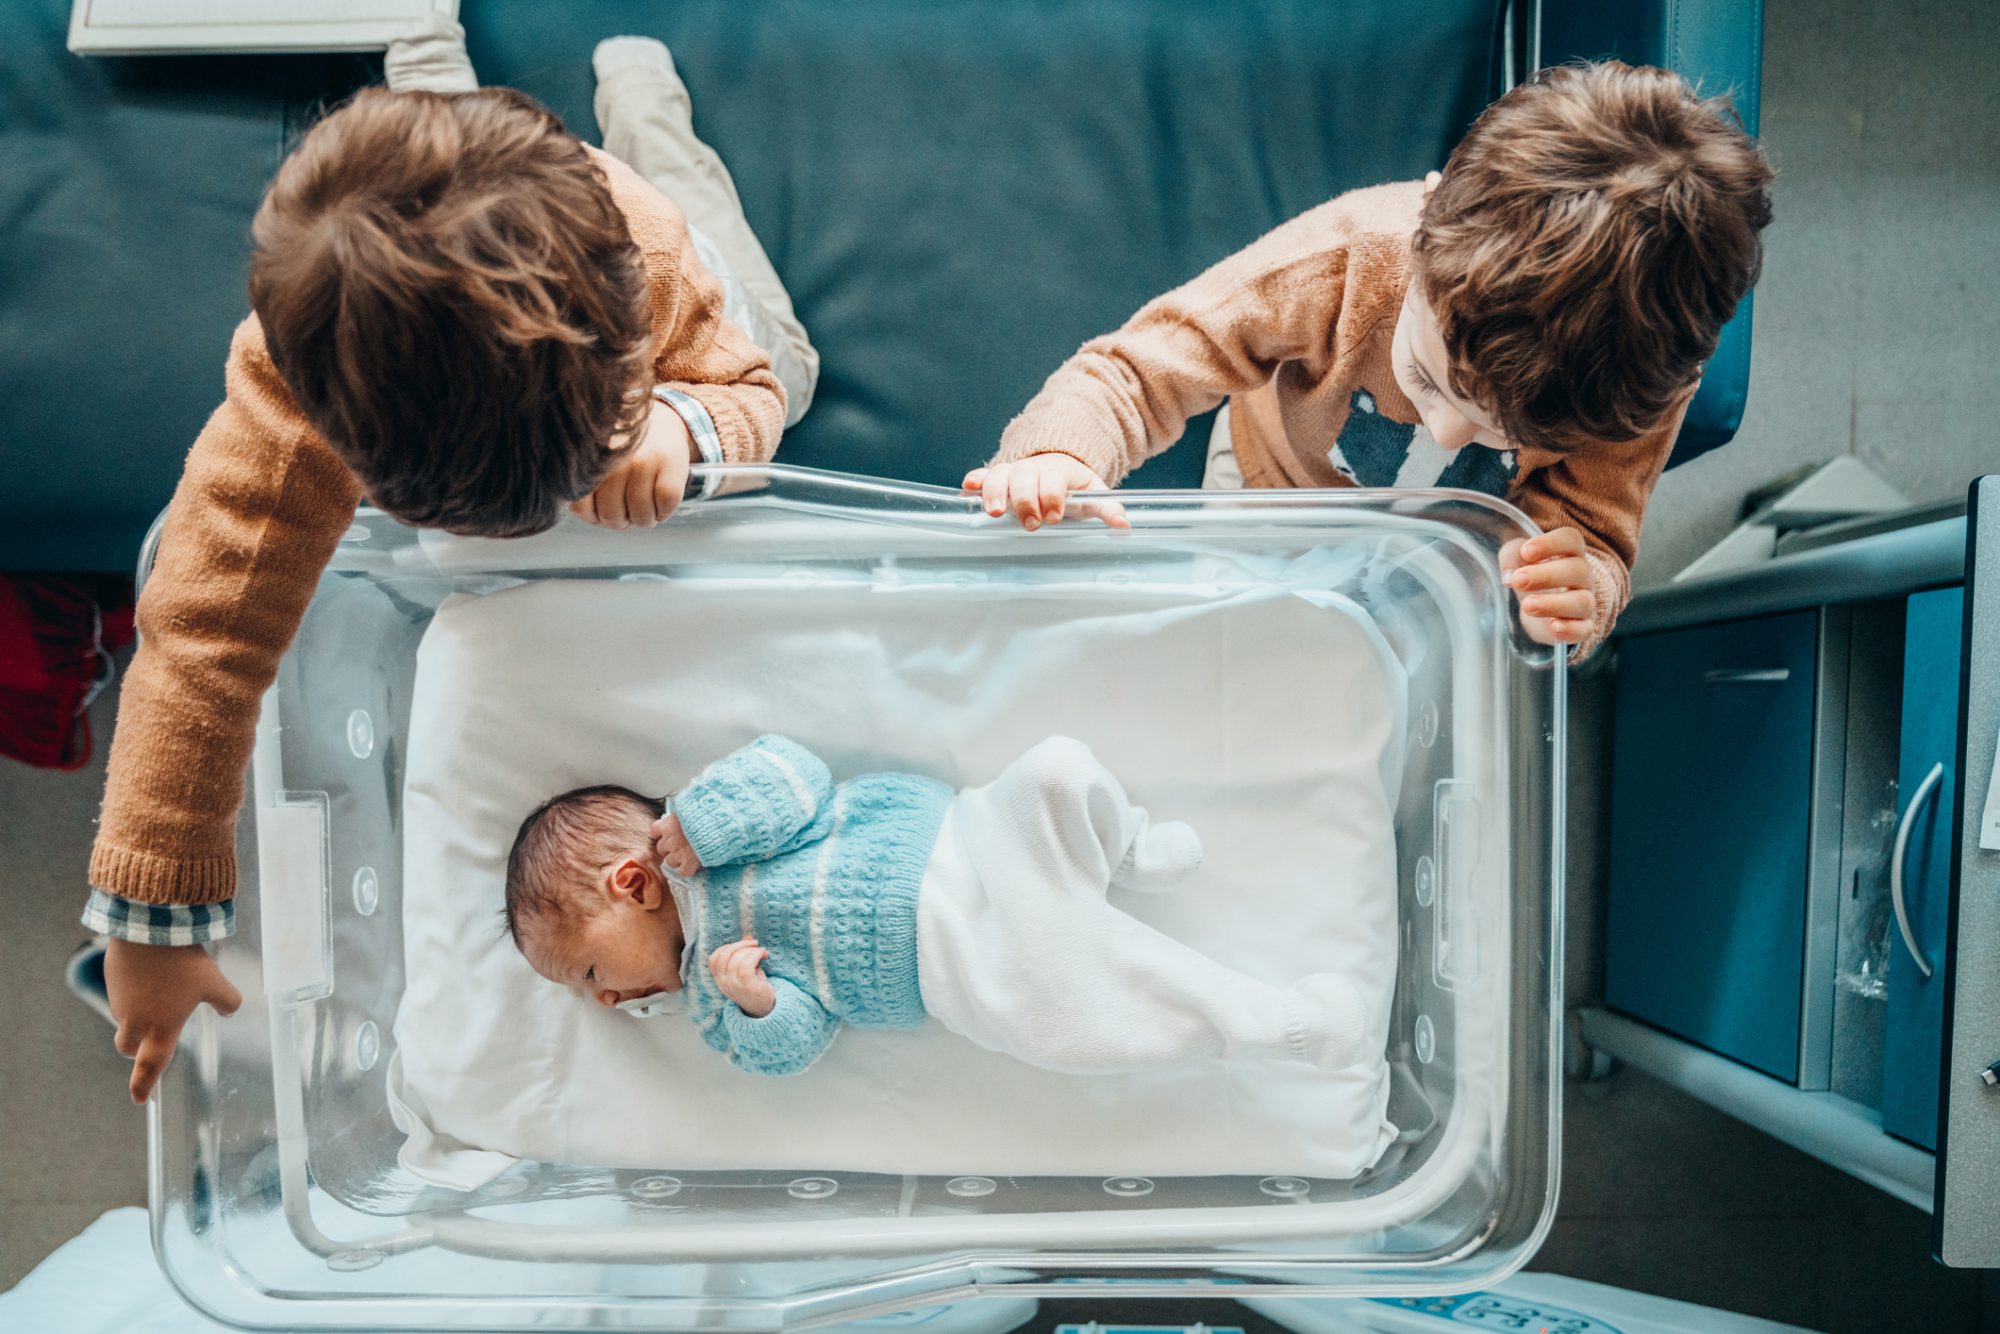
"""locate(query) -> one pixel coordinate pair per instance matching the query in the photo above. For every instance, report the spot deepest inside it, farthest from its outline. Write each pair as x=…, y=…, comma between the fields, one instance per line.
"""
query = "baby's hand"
x=1038, y=487
x=738, y=968
x=673, y=847
x=1555, y=584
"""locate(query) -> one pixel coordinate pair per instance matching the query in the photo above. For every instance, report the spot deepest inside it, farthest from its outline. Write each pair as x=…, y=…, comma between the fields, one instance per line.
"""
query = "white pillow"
x=1267, y=721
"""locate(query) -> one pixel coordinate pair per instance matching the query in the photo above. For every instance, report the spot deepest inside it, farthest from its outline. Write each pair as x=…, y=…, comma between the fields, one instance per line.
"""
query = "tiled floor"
x=1876, y=324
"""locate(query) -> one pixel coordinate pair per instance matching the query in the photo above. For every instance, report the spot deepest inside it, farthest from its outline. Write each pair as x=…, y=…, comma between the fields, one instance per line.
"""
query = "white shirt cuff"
x=701, y=426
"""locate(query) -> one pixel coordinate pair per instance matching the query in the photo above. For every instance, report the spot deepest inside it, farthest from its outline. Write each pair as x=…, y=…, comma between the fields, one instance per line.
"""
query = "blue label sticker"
x=1491, y=1310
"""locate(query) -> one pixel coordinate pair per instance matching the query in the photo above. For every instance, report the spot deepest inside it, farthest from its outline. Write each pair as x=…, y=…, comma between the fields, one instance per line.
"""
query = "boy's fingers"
x=154, y=1054
x=1054, y=491
x=1561, y=542
x=1572, y=571
x=585, y=509
x=224, y=996
x=125, y=1041
x=1567, y=605
x=1510, y=556
x=1109, y=511
x=641, y=507
x=973, y=480
x=993, y=491
x=610, y=504
x=1555, y=629
x=1024, y=501
x=1564, y=572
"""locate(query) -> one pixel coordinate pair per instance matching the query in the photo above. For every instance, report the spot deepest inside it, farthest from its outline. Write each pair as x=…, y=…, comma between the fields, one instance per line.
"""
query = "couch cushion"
x=958, y=194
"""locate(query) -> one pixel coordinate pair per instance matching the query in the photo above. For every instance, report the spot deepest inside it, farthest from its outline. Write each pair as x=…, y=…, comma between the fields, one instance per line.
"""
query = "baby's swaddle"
x=886, y=899
x=1269, y=716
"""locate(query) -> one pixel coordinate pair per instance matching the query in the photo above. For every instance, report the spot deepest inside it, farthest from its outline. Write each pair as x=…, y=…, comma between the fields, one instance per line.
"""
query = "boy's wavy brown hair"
x=455, y=301
x=1589, y=238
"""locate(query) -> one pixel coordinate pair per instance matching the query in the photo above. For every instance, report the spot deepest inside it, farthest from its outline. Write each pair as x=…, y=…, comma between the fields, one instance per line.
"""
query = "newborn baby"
x=785, y=905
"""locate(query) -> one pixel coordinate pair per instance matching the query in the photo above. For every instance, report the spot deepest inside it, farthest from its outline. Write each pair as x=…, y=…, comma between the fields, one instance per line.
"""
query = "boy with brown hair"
x=463, y=314
x=1531, y=323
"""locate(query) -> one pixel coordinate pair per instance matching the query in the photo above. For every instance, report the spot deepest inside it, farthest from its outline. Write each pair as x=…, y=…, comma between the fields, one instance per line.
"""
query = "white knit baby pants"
x=1019, y=951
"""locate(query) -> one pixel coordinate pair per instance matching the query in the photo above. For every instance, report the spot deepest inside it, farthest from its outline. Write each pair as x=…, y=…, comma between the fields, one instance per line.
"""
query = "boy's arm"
x=260, y=507
x=1602, y=493
x=784, y=1042
x=755, y=802
x=1127, y=395
x=712, y=366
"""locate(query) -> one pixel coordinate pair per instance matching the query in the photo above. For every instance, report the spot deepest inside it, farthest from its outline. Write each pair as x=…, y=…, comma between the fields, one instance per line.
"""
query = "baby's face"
x=621, y=938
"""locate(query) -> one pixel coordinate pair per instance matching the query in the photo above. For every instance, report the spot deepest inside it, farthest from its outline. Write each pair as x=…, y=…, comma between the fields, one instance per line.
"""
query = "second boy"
x=1531, y=324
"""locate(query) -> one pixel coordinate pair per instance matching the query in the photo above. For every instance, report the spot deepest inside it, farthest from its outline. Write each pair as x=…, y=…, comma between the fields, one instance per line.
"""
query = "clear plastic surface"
x=277, y=1198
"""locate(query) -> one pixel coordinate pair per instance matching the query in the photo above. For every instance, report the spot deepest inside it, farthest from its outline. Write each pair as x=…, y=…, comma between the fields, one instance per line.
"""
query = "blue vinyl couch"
x=957, y=192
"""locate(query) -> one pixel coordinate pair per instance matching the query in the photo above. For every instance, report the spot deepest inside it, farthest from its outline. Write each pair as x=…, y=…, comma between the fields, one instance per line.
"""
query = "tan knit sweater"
x=1288, y=329
x=260, y=507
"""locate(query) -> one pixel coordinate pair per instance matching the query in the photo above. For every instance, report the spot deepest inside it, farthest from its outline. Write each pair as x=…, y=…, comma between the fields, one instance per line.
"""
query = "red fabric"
x=57, y=635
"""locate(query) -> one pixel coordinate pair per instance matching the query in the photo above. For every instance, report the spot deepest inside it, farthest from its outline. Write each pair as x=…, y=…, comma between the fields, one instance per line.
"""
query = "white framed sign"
x=191, y=27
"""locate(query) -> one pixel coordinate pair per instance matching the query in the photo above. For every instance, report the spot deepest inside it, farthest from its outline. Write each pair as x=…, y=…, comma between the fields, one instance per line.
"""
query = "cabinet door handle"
x=1746, y=676
x=1923, y=794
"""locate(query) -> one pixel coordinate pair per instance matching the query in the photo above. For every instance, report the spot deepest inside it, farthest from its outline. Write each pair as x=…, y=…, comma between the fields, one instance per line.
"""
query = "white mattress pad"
x=1270, y=722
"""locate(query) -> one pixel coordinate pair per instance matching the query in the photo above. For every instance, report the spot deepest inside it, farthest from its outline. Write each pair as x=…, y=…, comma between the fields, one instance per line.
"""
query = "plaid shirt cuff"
x=701, y=426
x=159, y=923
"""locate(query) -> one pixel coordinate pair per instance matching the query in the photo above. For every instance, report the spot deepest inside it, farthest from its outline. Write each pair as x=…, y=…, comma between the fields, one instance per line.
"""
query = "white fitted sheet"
x=1269, y=721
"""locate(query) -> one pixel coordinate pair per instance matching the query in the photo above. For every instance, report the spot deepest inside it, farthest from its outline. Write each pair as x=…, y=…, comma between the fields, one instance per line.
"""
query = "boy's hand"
x=1554, y=583
x=647, y=482
x=738, y=968
x=673, y=848
x=1037, y=488
x=153, y=989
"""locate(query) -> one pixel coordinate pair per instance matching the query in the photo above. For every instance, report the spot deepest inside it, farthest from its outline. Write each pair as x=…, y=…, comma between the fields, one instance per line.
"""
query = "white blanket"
x=1270, y=722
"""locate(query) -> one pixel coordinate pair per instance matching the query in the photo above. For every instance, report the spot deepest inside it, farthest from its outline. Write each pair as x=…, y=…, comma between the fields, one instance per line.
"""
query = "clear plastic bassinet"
x=277, y=1195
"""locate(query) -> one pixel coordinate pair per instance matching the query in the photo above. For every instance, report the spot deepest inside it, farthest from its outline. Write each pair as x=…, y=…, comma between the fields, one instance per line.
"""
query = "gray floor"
x=74, y=1145
x=1876, y=324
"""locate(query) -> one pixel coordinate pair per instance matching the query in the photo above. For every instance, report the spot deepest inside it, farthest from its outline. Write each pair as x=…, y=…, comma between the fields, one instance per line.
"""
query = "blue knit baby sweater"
x=825, y=878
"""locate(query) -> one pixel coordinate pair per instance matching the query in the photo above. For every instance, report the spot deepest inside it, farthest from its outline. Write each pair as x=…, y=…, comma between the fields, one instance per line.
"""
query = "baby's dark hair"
x=561, y=841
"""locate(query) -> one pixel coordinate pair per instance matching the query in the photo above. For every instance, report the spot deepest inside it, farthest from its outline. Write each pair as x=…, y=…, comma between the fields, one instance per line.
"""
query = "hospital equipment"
x=280, y=1190
x=1818, y=964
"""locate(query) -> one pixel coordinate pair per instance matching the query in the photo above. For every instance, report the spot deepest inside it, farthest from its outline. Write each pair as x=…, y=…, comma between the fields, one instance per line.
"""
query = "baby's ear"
x=631, y=880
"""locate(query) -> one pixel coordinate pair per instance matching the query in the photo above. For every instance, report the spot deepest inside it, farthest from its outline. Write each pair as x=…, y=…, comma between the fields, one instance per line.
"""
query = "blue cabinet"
x=1927, y=793
x=1711, y=799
